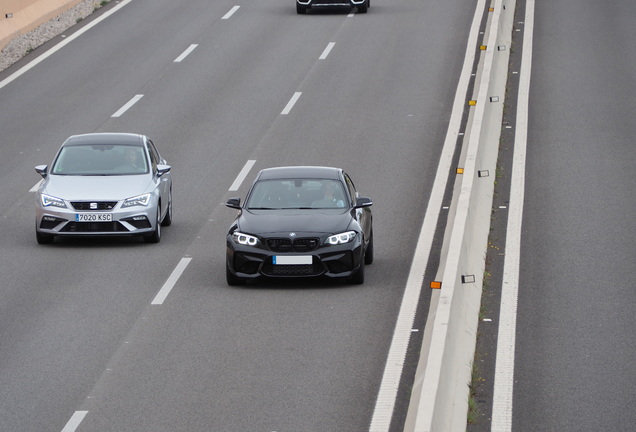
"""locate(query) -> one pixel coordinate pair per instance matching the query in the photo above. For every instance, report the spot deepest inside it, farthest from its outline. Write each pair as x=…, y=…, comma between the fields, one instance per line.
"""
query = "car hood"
x=96, y=188
x=281, y=222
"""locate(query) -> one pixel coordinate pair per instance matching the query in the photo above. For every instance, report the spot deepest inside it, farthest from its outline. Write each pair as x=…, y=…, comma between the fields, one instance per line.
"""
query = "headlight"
x=141, y=200
x=48, y=200
x=342, y=238
x=244, y=239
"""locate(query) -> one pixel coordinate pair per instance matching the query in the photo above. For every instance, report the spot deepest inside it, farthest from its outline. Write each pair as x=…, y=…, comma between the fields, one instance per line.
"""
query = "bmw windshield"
x=297, y=194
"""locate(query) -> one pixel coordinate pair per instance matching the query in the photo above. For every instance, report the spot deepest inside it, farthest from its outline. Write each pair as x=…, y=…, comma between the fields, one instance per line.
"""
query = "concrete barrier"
x=440, y=394
x=18, y=17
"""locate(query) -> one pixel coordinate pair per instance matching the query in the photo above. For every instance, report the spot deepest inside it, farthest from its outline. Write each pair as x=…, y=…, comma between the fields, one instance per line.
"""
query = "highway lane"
x=575, y=334
x=78, y=332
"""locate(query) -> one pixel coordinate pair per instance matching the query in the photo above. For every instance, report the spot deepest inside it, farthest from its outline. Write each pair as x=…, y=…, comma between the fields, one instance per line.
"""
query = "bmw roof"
x=300, y=172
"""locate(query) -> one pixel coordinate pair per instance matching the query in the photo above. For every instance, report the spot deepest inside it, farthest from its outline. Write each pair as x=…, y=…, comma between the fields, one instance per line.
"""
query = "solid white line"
x=172, y=280
x=37, y=185
x=62, y=44
x=505, y=361
x=231, y=12
x=185, y=53
x=327, y=50
x=291, y=103
x=244, y=172
x=130, y=103
x=75, y=421
x=385, y=401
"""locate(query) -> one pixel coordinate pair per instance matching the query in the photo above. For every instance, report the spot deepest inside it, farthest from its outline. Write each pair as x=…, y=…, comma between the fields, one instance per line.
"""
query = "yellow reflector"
x=460, y=170
x=491, y=9
x=482, y=47
x=472, y=102
x=436, y=285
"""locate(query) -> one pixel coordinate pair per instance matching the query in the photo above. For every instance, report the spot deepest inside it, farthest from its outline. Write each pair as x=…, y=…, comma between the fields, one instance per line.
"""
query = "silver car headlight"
x=244, y=239
x=140, y=200
x=342, y=238
x=48, y=200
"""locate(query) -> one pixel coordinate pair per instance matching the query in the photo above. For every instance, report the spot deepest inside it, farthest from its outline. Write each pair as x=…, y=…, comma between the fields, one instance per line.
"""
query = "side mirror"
x=162, y=169
x=234, y=203
x=42, y=170
x=363, y=202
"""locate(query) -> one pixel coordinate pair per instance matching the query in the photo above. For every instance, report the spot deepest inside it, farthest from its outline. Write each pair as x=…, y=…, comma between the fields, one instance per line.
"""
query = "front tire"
x=155, y=237
x=358, y=277
x=167, y=221
x=301, y=10
x=364, y=7
x=368, y=255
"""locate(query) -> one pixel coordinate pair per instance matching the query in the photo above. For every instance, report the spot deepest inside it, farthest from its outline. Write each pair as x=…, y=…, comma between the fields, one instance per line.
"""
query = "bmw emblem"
x=292, y=235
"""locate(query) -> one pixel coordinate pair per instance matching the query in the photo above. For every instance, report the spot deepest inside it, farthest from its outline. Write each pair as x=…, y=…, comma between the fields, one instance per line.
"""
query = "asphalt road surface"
x=575, y=338
x=80, y=341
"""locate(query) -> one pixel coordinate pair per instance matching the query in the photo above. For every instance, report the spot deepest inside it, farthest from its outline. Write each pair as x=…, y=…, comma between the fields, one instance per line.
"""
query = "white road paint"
x=74, y=421
x=62, y=44
x=172, y=280
x=36, y=187
x=244, y=172
x=505, y=361
x=385, y=402
x=185, y=53
x=230, y=13
x=129, y=104
x=291, y=103
x=327, y=50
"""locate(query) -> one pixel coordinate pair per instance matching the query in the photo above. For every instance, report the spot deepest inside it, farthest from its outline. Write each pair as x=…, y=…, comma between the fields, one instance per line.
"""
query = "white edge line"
x=185, y=53
x=62, y=44
x=291, y=103
x=230, y=13
x=36, y=187
x=129, y=104
x=390, y=383
x=244, y=172
x=74, y=421
x=327, y=50
x=505, y=356
x=172, y=280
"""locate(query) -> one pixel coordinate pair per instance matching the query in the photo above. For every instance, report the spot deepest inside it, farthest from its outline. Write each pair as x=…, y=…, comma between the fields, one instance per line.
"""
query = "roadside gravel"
x=21, y=45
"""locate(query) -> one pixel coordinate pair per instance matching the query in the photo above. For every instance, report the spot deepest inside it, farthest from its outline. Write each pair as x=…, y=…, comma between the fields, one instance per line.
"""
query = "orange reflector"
x=436, y=285
x=460, y=170
x=472, y=102
x=491, y=9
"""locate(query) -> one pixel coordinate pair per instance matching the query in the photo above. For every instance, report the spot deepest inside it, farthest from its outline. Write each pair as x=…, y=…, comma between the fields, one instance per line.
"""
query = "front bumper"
x=339, y=261
x=330, y=3
x=137, y=220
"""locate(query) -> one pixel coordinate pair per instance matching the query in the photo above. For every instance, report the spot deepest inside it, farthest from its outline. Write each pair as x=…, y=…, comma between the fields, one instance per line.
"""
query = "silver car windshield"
x=297, y=194
x=101, y=160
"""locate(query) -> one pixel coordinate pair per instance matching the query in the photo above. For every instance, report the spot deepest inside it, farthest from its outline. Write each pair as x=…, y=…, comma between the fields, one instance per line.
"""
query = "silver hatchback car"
x=104, y=184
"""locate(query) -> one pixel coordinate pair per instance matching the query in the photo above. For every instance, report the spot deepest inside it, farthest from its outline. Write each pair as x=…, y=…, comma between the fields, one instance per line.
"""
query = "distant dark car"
x=300, y=222
x=303, y=5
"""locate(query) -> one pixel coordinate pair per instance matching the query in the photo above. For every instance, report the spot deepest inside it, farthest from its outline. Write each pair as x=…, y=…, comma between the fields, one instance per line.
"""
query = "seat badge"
x=93, y=206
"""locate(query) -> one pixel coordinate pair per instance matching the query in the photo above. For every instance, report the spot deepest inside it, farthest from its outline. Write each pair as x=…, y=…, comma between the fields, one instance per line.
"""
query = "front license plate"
x=93, y=217
x=292, y=259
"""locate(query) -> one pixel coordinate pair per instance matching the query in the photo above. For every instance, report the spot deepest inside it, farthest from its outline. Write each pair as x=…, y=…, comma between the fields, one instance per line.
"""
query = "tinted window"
x=100, y=160
x=297, y=194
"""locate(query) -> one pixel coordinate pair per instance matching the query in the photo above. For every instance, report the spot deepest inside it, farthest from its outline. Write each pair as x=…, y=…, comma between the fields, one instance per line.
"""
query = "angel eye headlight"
x=244, y=239
x=341, y=238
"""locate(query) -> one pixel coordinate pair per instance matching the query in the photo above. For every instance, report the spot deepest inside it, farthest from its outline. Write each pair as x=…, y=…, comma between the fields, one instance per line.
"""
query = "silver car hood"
x=97, y=188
